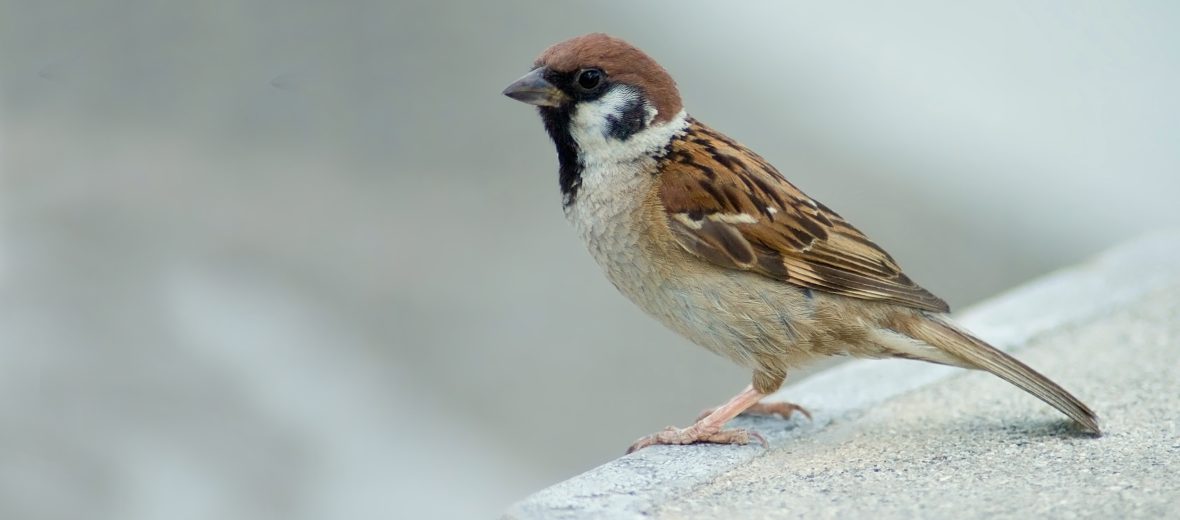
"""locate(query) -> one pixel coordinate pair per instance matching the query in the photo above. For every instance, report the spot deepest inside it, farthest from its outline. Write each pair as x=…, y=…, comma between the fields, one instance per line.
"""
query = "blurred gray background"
x=294, y=259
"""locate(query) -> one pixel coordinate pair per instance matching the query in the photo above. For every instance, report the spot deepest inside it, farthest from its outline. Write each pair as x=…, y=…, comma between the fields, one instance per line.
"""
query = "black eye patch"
x=579, y=87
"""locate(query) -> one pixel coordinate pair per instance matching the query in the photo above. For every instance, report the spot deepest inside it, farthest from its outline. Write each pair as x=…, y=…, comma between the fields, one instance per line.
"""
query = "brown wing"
x=729, y=206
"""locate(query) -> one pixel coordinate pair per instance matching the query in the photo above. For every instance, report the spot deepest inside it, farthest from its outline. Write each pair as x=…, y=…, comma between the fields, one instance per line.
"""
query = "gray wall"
x=300, y=259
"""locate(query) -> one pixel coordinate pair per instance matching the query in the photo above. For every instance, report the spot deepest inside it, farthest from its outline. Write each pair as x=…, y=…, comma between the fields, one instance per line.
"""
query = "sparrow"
x=711, y=240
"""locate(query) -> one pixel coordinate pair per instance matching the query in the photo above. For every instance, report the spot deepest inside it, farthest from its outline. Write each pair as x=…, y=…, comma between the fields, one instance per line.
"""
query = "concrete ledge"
x=906, y=439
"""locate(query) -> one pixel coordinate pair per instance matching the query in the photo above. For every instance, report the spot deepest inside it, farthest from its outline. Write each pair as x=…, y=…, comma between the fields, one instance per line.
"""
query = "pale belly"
x=741, y=316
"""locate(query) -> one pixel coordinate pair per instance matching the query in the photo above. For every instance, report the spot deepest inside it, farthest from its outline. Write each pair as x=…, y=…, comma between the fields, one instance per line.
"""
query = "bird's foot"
x=696, y=433
x=780, y=409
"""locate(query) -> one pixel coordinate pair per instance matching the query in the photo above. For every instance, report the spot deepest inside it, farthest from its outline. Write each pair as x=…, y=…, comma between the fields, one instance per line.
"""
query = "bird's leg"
x=710, y=427
x=781, y=409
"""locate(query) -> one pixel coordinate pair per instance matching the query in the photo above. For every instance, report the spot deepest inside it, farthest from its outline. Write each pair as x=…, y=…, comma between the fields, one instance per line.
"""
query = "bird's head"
x=598, y=96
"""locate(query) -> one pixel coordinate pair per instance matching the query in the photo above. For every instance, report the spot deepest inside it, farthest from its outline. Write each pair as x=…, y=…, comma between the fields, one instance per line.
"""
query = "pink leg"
x=781, y=409
x=709, y=427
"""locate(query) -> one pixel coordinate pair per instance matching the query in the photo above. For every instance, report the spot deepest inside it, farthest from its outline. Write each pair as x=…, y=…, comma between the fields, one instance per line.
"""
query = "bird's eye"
x=589, y=79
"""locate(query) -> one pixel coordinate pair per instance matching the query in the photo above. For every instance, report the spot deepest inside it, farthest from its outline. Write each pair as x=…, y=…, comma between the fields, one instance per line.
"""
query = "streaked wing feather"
x=732, y=208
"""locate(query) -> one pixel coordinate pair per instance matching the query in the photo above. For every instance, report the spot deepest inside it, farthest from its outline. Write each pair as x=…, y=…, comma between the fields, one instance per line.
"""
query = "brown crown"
x=622, y=63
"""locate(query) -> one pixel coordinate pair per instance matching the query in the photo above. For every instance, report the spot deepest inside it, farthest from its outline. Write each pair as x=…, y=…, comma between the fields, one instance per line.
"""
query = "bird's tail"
x=971, y=352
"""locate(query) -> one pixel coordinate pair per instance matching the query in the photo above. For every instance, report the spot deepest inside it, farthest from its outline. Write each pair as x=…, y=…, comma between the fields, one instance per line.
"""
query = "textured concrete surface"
x=901, y=439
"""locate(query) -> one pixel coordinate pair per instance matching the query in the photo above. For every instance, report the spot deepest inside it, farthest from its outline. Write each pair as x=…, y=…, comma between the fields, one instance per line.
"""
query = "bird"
x=711, y=240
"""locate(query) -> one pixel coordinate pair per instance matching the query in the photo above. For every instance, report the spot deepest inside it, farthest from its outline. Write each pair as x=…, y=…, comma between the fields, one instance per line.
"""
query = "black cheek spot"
x=627, y=123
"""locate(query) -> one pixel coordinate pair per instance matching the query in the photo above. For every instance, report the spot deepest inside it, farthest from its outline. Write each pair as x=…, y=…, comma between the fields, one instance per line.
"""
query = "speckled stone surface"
x=898, y=439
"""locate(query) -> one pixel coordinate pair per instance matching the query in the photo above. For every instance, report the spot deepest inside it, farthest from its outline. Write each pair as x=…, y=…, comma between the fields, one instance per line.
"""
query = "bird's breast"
x=608, y=216
x=614, y=216
x=739, y=315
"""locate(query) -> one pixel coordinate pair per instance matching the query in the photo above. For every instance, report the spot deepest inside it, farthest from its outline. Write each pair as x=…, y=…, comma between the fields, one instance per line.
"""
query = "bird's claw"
x=692, y=435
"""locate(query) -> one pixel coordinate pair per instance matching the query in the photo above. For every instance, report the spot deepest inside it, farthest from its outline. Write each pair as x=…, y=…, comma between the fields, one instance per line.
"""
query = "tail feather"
x=975, y=353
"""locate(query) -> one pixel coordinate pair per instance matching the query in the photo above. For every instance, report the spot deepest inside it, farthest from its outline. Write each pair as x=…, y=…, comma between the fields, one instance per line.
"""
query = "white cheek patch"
x=590, y=127
x=591, y=119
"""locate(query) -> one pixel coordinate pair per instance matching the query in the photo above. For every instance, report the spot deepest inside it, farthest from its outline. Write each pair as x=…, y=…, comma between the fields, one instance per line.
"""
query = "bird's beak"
x=533, y=89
